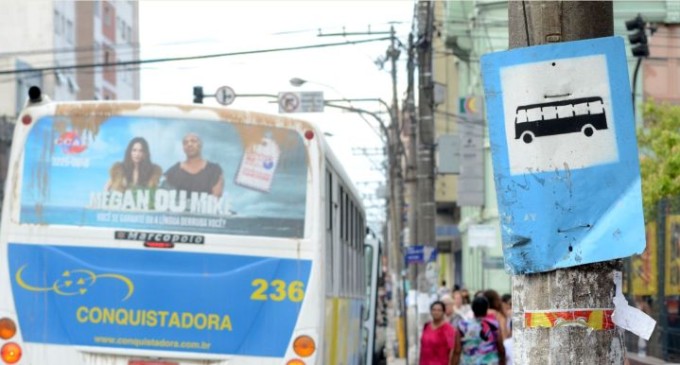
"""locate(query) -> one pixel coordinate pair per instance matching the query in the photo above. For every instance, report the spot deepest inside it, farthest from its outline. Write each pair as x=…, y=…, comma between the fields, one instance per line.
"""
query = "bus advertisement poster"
x=130, y=172
x=564, y=153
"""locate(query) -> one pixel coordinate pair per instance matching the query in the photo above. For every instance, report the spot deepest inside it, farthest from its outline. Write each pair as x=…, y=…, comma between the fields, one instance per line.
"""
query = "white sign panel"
x=471, y=178
x=573, y=109
x=481, y=235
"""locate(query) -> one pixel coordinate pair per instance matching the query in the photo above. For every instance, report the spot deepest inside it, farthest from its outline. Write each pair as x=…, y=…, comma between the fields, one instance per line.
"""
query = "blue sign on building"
x=420, y=254
x=564, y=152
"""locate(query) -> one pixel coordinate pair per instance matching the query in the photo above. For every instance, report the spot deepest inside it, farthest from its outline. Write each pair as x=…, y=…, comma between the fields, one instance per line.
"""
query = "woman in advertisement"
x=136, y=170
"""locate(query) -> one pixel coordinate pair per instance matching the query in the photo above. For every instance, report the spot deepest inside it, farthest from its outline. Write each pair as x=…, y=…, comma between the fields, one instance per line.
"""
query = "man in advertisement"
x=195, y=174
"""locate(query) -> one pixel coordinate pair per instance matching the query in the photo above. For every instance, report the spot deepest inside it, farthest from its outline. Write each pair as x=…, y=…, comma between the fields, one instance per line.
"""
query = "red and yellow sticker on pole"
x=597, y=319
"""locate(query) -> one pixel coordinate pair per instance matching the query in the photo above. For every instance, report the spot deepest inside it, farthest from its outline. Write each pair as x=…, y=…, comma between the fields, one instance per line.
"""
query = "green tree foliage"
x=659, y=143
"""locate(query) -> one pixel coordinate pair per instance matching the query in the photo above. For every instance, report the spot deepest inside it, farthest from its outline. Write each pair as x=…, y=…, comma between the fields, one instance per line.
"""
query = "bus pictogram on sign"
x=584, y=115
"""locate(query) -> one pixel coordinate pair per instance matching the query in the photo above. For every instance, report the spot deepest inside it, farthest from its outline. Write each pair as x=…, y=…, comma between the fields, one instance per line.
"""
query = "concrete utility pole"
x=425, y=140
x=588, y=286
x=410, y=182
x=396, y=183
x=427, y=280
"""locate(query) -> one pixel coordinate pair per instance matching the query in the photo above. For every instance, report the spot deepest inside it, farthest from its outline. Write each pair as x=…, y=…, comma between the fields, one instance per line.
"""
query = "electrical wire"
x=50, y=51
x=186, y=58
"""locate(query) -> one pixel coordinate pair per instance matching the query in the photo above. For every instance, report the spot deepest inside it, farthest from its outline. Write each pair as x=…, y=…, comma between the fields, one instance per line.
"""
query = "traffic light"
x=638, y=40
x=198, y=94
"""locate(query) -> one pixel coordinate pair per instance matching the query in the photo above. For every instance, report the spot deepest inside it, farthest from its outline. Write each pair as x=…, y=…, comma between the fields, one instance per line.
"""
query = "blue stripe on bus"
x=157, y=300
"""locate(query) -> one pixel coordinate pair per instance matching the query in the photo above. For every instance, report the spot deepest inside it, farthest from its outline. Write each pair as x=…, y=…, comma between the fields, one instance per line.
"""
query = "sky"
x=183, y=28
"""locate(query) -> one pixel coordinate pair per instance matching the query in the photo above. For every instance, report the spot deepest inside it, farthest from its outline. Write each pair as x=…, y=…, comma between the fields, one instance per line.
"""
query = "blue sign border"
x=578, y=216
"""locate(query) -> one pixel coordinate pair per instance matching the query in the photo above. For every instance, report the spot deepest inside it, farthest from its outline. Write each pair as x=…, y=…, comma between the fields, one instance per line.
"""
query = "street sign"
x=414, y=254
x=225, y=95
x=289, y=102
x=420, y=254
x=564, y=151
x=301, y=102
x=448, y=154
x=493, y=262
x=471, y=106
x=471, y=152
x=482, y=235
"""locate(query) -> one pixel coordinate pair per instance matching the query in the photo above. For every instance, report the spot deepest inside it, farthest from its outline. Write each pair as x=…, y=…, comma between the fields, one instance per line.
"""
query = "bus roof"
x=560, y=103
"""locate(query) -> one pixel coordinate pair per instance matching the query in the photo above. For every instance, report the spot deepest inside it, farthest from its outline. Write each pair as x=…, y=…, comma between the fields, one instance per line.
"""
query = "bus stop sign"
x=564, y=154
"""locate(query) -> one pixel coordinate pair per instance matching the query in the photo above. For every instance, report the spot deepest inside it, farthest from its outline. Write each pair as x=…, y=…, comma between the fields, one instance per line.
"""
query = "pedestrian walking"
x=466, y=296
x=460, y=306
x=478, y=340
x=443, y=290
x=496, y=312
x=449, y=314
x=506, y=304
x=436, y=342
x=508, y=342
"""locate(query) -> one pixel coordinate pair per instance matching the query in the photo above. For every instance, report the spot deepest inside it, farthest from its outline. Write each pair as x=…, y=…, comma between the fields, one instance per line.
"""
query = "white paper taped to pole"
x=630, y=318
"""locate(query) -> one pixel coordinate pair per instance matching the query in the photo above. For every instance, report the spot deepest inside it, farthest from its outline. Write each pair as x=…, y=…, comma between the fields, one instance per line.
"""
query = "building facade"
x=60, y=34
x=41, y=41
x=473, y=29
x=447, y=216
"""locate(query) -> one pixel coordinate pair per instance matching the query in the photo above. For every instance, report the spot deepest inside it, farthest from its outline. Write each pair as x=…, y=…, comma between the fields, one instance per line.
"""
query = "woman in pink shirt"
x=438, y=337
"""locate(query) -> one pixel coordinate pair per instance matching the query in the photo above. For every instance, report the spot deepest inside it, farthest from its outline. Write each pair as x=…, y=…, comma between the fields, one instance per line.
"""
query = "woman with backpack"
x=479, y=340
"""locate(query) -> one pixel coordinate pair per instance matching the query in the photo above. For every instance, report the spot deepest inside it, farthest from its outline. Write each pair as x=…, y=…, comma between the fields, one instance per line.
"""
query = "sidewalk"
x=634, y=359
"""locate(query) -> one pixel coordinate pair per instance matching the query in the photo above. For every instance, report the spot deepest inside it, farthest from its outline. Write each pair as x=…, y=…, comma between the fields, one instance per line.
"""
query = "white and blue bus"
x=149, y=234
x=374, y=334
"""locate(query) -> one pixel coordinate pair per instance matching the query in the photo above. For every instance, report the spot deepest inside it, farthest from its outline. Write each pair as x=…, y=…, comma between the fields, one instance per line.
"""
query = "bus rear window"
x=165, y=174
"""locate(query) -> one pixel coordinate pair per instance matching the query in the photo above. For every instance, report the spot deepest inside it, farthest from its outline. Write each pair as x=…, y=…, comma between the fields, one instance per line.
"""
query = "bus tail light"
x=7, y=328
x=304, y=346
x=11, y=353
x=26, y=119
x=295, y=362
x=309, y=134
x=155, y=244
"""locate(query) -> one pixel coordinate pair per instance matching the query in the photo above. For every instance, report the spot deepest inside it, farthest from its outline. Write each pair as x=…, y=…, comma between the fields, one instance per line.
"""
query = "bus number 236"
x=280, y=290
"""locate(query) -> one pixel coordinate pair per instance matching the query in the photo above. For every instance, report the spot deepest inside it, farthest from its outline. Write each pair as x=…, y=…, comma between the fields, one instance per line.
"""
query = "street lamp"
x=297, y=82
